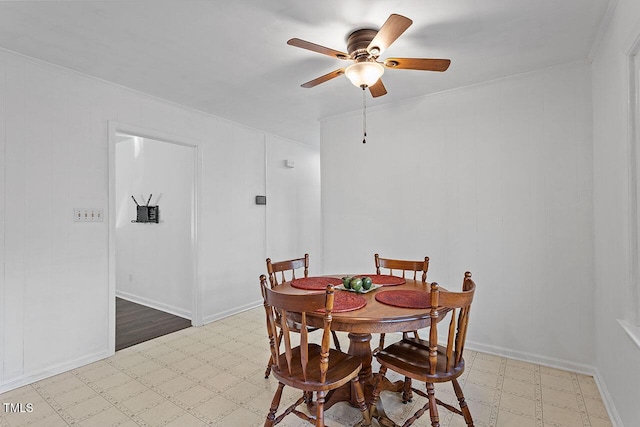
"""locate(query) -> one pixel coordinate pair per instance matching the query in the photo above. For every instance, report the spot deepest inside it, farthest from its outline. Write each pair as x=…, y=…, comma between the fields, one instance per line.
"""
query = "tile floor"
x=213, y=376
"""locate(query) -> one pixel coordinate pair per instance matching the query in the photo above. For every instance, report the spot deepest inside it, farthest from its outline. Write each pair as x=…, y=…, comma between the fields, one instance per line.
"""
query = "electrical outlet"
x=88, y=215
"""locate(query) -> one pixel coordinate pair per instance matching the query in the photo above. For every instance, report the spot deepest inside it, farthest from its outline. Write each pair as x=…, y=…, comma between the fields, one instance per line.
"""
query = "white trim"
x=538, y=359
x=632, y=330
x=176, y=311
x=3, y=221
x=632, y=311
x=111, y=268
x=315, y=144
x=196, y=309
x=265, y=189
x=602, y=29
x=231, y=312
x=614, y=417
x=53, y=370
x=565, y=365
x=418, y=99
x=196, y=286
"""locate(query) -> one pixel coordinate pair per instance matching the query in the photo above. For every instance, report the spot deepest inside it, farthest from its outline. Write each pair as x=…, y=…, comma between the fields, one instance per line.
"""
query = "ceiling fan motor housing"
x=358, y=41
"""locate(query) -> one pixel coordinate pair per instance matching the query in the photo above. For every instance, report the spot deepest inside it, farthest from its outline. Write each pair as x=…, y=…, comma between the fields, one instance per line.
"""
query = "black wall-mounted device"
x=146, y=213
x=261, y=200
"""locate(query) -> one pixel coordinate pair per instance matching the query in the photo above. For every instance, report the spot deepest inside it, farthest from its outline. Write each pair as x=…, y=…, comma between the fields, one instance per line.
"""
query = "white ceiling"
x=230, y=58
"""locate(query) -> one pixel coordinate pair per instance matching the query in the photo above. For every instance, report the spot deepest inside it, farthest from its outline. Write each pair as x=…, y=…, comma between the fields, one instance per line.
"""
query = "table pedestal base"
x=360, y=346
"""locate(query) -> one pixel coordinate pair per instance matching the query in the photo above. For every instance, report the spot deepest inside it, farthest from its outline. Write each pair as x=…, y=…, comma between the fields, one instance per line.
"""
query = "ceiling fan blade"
x=322, y=79
x=393, y=27
x=377, y=89
x=426, y=64
x=317, y=48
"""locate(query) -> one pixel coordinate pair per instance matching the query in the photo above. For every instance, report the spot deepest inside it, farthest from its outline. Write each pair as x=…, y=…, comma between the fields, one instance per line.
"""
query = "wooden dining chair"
x=408, y=269
x=278, y=272
x=404, y=266
x=426, y=361
x=309, y=367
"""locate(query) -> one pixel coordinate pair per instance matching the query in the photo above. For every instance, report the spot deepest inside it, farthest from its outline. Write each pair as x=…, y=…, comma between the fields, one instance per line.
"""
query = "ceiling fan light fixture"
x=364, y=73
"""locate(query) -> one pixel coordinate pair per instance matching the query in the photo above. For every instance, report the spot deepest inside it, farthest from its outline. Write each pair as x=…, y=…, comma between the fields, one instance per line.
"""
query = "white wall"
x=154, y=262
x=618, y=358
x=54, y=273
x=494, y=179
x=231, y=227
x=292, y=191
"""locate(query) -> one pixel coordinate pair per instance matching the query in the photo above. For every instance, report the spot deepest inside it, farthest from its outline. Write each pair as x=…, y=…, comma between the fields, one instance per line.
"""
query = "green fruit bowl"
x=360, y=291
x=357, y=283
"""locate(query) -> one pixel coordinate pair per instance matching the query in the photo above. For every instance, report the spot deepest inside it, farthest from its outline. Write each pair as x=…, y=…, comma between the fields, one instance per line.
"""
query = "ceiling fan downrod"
x=364, y=115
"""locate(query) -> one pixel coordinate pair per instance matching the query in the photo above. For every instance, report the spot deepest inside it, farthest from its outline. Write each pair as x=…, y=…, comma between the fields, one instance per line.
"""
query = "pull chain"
x=364, y=115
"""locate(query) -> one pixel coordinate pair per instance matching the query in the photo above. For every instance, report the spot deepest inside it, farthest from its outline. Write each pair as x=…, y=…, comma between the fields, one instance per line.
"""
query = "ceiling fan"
x=364, y=47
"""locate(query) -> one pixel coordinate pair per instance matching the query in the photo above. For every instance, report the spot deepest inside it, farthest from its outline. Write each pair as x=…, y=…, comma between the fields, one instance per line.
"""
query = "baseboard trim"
x=538, y=359
x=558, y=364
x=231, y=312
x=614, y=417
x=52, y=371
x=176, y=311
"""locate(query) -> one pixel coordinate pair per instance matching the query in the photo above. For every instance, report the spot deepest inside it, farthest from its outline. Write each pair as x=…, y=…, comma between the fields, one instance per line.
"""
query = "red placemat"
x=315, y=283
x=385, y=279
x=405, y=298
x=346, y=301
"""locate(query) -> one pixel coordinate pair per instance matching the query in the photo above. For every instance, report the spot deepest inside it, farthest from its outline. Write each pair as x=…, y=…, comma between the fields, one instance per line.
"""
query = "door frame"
x=196, y=287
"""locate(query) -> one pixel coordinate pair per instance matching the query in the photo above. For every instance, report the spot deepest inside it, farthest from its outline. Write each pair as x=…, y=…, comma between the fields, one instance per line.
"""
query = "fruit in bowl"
x=356, y=284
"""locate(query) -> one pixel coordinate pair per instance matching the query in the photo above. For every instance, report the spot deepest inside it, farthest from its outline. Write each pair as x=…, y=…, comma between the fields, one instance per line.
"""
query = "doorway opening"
x=153, y=274
x=137, y=323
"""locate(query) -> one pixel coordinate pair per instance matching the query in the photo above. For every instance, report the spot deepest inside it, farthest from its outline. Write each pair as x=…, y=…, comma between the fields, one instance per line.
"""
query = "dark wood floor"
x=137, y=323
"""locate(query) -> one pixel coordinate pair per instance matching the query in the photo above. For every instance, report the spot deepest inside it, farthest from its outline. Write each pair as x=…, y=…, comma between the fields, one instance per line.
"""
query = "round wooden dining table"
x=374, y=317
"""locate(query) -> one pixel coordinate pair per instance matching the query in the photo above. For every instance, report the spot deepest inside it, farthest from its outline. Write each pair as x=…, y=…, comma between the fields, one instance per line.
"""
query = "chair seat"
x=342, y=368
x=295, y=326
x=410, y=357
